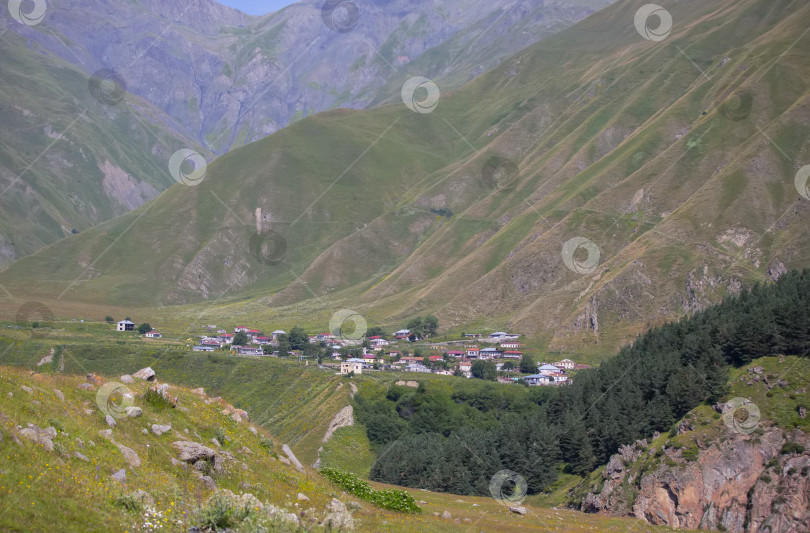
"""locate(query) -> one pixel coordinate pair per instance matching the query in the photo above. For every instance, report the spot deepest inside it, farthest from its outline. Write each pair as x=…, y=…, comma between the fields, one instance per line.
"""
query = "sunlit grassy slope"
x=40, y=487
x=675, y=158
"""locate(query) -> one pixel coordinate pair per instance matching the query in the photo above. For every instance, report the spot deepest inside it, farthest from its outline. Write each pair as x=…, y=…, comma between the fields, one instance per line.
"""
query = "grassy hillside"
x=38, y=483
x=641, y=147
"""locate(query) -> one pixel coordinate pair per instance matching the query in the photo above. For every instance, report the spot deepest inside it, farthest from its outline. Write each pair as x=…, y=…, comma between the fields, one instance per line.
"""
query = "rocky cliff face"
x=733, y=482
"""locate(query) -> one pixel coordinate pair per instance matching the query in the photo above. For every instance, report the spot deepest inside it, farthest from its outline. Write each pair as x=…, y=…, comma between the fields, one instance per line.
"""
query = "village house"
x=249, y=350
x=226, y=338
x=126, y=325
x=443, y=372
x=489, y=353
x=278, y=332
x=241, y=329
x=261, y=339
x=417, y=367
x=511, y=344
x=472, y=335
x=352, y=365
x=473, y=352
x=153, y=334
x=455, y=353
x=377, y=341
x=512, y=354
x=547, y=369
x=566, y=364
x=203, y=349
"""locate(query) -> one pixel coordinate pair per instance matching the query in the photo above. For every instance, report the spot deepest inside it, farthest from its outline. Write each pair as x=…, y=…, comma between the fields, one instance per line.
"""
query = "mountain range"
x=608, y=178
x=97, y=96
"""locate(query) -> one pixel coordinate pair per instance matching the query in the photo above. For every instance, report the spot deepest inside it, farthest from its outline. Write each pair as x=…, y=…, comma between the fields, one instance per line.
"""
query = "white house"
x=153, y=334
x=547, y=369
x=417, y=367
x=249, y=350
x=277, y=333
x=351, y=365
x=489, y=353
x=241, y=329
x=126, y=325
x=567, y=364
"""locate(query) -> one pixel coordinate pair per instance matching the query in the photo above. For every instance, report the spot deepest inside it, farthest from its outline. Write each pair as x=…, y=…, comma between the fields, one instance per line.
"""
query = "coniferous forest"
x=454, y=438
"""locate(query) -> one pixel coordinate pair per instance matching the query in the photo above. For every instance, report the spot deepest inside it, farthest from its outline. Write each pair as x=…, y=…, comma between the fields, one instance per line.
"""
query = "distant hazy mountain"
x=207, y=77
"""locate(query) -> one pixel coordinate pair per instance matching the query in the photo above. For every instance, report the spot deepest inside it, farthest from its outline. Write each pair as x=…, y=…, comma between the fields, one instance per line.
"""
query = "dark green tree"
x=144, y=328
x=240, y=339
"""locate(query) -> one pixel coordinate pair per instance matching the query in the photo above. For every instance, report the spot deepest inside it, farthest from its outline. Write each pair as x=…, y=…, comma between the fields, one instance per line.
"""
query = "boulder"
x=446, y=515
x=338, y=517
x=293, y=459
x=146, y=374
x=242, y=414
x=86, y=386
x=519, y=510
x=126, y=378
x=159, y=430
x=129, y=455
x=134, y=412
x=216, y=443
x=120, y=476
x=27, y=389
x=110, y=421
x=191, y=452
x=81, y=457
x=42, y=437
x=144, y=497
x=302, y=497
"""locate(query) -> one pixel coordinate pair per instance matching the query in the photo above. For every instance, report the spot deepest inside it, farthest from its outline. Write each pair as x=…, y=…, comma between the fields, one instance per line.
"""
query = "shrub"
x=792, y=447
x=396, y=500
x=765, y=478
x=157, y=400
x=220, y=513
x=266, y=444
x=690, y=454
x=128, y=503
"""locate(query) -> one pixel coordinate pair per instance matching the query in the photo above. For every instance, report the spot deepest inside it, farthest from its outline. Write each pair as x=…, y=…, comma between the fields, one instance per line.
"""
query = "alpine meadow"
x=405, y=265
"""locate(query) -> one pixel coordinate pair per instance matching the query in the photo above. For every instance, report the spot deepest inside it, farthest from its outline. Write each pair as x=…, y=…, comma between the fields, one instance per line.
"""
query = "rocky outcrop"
x=737, y=482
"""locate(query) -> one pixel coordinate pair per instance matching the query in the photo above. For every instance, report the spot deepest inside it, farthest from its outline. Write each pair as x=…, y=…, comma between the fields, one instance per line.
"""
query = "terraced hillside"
x=593, y=184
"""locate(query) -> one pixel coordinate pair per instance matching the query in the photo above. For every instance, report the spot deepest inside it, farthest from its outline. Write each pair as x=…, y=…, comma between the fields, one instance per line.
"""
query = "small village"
x=496, y=356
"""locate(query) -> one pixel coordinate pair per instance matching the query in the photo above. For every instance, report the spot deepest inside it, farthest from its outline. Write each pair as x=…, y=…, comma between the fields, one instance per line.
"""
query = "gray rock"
x=210, y=483
x=216, y=443
x=120, y=476
x=129, y=455
x=302, y=497
x=29, y=390
x=110, y=421
x=126, y=378
x=191, y=452
x=159, y=430
x=146, y=374
x=134, y=412
x=78, y=455
x=85, y=386
x=59, y=394
x=42, y=437
x=338, y=517
x=446, y=515
x=519, y=510
x=144, y=497
x=106, y=434
x=293, y=459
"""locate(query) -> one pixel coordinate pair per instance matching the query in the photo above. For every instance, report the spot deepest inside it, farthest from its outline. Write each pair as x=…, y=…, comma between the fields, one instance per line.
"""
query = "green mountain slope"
x=677, y=159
